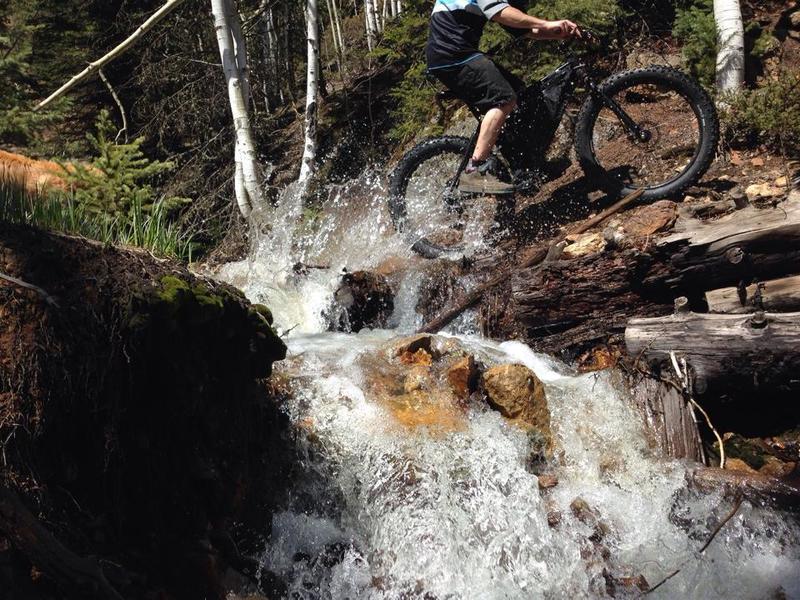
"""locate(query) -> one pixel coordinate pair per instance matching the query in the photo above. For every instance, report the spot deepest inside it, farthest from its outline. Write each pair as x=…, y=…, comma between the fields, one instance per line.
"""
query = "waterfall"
x=449, y=506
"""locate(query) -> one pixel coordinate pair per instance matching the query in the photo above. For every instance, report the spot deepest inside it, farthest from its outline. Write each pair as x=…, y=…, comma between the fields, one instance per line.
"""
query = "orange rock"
x=547, y=481
x=462, y=376
x=596, y=359
x=517, y=393
x=420, y=357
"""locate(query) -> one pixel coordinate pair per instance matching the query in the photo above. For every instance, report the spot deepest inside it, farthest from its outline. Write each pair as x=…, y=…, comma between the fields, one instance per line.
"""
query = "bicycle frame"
x=563, y=79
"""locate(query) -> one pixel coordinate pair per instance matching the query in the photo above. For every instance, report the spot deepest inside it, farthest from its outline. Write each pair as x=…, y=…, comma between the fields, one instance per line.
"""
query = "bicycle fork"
x=634, y=131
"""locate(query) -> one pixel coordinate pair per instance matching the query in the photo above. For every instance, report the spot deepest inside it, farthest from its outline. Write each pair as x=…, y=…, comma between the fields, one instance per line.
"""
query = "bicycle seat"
x=445, y=95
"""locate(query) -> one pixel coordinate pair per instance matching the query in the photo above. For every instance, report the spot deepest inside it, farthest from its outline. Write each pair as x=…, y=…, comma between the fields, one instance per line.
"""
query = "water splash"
x=457, y=514
x=380, y=511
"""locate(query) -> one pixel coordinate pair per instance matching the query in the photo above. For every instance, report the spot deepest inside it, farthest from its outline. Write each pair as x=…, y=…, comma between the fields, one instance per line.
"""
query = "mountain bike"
x=653, y=128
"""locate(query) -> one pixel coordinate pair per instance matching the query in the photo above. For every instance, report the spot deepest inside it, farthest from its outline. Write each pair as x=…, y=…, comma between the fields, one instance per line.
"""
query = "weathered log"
x=669, y=419
x=779, y=295
x=600, y=291
x=754, y=487
x=761, y=348
x=70, y=571
x=532, y=258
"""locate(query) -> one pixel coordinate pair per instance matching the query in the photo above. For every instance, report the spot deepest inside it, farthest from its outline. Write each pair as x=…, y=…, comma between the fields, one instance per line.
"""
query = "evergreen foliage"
x=696, y=30
x=119, y=181
x=19, y=27
x=770, y=114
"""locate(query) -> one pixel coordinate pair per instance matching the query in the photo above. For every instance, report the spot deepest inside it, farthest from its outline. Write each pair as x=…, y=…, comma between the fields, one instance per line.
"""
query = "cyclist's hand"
x=559, y=30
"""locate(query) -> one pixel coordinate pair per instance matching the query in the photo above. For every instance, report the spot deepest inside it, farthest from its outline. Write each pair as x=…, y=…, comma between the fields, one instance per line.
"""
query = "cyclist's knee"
x=509, y=106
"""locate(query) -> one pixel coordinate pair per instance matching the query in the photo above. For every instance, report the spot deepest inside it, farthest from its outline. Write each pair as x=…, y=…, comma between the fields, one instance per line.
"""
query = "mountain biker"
x=453, y=58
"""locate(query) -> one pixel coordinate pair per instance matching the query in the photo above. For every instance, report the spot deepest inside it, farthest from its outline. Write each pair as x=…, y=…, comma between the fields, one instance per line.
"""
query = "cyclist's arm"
x=537, y=28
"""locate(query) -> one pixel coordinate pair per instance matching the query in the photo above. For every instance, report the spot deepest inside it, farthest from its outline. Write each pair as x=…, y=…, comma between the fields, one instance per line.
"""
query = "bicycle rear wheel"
x=681, y=126
x=437, y=221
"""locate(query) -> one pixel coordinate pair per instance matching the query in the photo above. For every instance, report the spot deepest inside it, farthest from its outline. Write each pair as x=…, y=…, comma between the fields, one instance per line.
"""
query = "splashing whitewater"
x=386, y=511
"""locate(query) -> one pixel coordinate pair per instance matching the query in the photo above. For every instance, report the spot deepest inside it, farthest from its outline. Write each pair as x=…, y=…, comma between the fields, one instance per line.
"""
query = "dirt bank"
x=136, y=422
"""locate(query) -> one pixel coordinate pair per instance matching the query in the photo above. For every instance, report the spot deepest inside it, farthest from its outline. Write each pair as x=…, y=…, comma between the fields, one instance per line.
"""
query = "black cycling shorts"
x=480, y=83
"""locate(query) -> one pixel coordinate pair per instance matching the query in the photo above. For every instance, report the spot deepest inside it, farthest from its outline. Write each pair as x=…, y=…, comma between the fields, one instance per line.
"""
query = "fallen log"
x=778, y=295
x=599, y=292
x=762, y=349
x=754, y=487
x=533, y=257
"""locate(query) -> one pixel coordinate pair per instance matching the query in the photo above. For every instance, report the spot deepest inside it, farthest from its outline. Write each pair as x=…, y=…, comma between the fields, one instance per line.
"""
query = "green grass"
x=150, y=229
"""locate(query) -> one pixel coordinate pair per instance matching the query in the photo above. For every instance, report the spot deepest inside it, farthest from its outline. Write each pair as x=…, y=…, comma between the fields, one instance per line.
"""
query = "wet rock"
x=589, y=516
x=417, y=379
x=413, y=344
x=597, y=359
x=775, y=467
x=420, y=357
x=737, y=464
x=554, y=518
x=434, y=345
x=547, y=481
x=364, y=299
x=463, y=377
x=517, y=393
x=583, y=245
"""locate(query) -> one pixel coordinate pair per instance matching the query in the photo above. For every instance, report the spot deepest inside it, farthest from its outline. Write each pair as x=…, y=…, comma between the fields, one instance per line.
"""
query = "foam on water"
x=458, y=514
x=381, y=511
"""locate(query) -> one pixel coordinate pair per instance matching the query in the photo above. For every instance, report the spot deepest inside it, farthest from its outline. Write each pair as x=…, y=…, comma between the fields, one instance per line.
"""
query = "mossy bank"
x=136, y=419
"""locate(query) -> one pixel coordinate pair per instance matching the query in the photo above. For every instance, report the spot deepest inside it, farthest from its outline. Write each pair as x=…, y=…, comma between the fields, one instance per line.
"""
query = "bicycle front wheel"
x=680, y=125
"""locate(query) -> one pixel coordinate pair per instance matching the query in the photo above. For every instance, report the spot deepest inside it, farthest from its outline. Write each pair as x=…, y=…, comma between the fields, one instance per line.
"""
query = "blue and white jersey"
x=456, y=29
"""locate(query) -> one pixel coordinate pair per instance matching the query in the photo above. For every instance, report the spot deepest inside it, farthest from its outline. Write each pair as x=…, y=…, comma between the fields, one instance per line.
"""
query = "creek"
x=391, y=505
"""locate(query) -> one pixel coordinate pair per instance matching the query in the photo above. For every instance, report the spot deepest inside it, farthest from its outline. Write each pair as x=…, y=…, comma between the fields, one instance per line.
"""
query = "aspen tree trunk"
x=336, y=48
x=371, y=23
x=384, y=13
x=240, y=50
x=276, y=54
x=247, y=181
x=312, y=87
x=338, y=22
x=730, y=53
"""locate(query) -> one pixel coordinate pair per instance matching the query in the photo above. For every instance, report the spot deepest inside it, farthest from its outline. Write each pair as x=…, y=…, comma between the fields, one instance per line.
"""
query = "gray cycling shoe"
x=480, y=181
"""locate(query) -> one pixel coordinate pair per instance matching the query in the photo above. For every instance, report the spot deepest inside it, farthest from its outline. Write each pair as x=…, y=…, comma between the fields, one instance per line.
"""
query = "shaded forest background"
x=175, y=152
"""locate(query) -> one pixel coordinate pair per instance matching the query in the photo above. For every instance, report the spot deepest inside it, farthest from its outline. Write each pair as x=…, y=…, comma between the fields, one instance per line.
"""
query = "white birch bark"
x=335, y=39
x=247, y=181
x=240, y=50
x=384, y=13
x=338, y=23
x=730, y=51
x=371, y=20
x=312, y=87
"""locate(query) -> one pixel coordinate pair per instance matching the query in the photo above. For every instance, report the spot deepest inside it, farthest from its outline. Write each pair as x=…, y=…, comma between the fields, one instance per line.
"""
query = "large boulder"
x=517, y=393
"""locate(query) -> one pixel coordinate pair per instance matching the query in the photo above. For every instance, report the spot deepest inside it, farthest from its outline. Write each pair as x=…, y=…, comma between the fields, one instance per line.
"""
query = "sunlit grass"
x=53, y=211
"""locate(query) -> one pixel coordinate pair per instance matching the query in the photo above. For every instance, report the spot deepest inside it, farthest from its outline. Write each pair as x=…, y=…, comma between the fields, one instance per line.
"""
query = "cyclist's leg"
x=484, y=86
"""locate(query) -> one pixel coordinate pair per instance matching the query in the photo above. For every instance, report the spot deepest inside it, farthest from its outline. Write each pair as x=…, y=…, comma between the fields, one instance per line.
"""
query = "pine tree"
x=119, y=180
